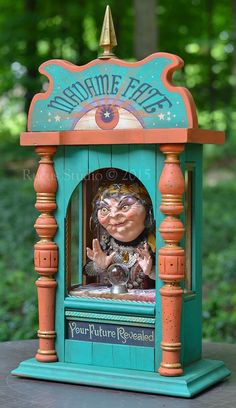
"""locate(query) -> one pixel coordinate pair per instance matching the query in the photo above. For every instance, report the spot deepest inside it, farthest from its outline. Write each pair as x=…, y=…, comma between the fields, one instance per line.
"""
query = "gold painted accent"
x=171, y=199
x=171, y=285
x=170, y=346
x=46, y=334
x=46, y=160
x=46, y=278
x=44, y=241
x=108, y=36
x=45, y=197
x=46, y=352
x=172, y=157
x=49, y=226
x=171, y=229
x=173, y=365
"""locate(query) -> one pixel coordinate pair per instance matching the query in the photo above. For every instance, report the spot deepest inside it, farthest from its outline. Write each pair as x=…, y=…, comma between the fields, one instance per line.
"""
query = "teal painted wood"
x=196, y=378
x=59, y=239
x=142, y=358
x=70, y=97
x=191, y=332
x=142, y=164
x=111, y=318
x=103, y=354
x=80, y=248
x=159, y=243
x=109, y=355
x=122, y=357
x=76, y=168
x=111, y=306
x=120, y=157
x=99, y=157
x=79, y=352
x=71, y=165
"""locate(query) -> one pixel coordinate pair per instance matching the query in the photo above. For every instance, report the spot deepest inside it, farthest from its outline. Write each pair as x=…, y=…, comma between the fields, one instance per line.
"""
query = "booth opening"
x=110, y=238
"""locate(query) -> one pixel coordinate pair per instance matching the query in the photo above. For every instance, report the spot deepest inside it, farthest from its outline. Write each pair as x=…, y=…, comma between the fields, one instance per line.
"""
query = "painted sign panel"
x=112, y=94
x=110, y=333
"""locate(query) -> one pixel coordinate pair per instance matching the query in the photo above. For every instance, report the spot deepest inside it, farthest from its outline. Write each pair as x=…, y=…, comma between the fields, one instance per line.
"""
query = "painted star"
x=57, y=118
x=161, y=116
x=107, y=114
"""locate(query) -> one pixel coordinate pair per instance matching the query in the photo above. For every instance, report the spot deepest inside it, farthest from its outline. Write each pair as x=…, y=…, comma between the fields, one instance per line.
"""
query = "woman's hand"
x=145, y=261
x=97, y=255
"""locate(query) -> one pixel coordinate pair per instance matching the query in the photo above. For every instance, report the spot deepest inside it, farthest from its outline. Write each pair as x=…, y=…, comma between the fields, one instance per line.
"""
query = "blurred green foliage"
x=18, y=311
x=203, y=34
x=219, y=262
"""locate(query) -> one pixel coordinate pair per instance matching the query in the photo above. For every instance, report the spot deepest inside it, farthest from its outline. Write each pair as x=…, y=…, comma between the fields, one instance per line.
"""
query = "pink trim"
x=176, y=63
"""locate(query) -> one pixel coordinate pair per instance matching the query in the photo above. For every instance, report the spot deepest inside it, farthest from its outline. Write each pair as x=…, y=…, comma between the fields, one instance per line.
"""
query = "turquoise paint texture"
x=197, y=377
x=139, y=89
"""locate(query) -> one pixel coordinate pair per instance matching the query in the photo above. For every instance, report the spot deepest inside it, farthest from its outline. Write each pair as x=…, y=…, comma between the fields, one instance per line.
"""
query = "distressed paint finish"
x=171, y=259
x=46, y=253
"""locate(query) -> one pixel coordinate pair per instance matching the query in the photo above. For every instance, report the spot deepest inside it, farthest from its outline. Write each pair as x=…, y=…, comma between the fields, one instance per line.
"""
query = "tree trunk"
x=145, y=31
x=30, y=51
x=211, y=75
x=234, y=44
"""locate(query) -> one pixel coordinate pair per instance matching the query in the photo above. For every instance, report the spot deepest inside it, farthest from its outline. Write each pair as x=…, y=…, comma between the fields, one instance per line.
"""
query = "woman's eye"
x=125, y=207
x=104, y=211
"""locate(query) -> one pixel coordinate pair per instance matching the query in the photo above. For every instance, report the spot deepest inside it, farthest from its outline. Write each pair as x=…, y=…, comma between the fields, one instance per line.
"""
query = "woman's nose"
x=115, y=213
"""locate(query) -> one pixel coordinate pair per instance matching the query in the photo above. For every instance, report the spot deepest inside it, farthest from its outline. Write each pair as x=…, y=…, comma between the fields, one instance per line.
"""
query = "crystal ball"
x=118, y=274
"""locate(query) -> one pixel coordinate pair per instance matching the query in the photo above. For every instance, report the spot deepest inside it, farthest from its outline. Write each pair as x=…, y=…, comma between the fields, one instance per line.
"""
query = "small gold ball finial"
x=108, y=36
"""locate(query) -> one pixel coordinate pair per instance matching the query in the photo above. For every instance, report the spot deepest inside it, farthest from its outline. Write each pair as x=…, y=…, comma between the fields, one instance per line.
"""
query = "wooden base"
x=197, y=377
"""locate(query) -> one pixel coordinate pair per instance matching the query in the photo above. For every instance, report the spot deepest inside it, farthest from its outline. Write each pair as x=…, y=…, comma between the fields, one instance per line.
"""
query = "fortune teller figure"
x=124, y=215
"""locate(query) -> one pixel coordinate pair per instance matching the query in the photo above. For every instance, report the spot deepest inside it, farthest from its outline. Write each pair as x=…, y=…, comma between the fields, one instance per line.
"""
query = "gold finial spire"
x=108, y=36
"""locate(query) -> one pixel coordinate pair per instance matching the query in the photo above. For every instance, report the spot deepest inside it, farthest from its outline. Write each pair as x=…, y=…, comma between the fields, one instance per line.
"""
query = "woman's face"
x=123, y=218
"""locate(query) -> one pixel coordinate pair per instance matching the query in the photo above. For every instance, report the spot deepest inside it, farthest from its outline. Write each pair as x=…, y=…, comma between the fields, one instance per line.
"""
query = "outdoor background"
x=203, y=34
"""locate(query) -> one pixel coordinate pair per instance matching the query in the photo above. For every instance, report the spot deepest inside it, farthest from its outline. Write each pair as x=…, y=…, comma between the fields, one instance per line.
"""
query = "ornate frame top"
x=110, y=101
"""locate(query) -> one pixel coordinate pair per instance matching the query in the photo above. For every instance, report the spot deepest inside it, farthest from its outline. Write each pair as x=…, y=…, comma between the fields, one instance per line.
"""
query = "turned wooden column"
x=46, y=252
x=171, y=259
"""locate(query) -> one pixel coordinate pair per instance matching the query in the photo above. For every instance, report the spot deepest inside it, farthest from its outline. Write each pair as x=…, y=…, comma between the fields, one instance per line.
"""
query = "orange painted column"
x=46, y=252
x=171, y=259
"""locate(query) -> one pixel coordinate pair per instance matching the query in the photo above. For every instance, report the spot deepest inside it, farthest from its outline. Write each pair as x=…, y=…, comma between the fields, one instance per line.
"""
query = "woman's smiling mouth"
x=117, y=225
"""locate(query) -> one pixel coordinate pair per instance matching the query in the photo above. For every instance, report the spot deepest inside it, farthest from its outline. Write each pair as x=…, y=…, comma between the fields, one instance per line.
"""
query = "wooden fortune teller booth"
x=119, y=192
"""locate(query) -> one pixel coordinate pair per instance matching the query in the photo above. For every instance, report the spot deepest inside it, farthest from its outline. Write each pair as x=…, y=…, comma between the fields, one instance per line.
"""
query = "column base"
x=46, y=358
x=170, y=372
x=196, y=378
